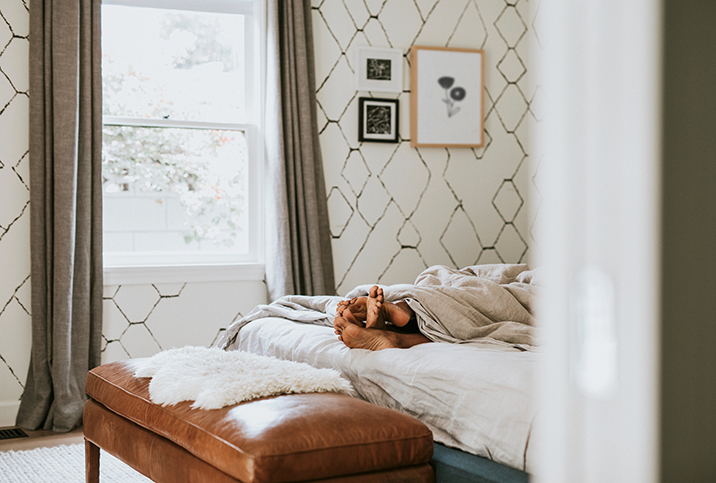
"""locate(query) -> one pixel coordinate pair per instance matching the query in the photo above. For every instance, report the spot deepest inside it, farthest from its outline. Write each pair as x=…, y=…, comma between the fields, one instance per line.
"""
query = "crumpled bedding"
x=476, y=398
x=476, y=302
x=481, y=303
x=473, y=392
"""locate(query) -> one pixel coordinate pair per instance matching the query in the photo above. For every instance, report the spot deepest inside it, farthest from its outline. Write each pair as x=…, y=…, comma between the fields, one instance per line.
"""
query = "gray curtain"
x=66, y=210
x=299, y=258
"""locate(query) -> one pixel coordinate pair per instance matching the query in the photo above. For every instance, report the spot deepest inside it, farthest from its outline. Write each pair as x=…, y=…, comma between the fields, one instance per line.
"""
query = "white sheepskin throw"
x=214, y=378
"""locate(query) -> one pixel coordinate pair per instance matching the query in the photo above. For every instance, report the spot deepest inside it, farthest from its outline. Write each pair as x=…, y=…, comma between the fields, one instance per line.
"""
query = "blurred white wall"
x=599, y=231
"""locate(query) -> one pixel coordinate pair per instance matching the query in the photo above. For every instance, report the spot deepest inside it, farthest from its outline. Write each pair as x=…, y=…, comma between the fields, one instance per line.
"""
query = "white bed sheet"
x=477, y=399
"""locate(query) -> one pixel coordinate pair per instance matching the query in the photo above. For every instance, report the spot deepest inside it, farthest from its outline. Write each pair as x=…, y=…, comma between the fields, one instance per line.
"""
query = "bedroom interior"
x=395, y=210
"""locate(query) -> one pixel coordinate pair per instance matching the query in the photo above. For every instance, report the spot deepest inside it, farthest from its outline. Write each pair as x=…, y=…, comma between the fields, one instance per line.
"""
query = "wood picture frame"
x=378, y=120
x=447, y=97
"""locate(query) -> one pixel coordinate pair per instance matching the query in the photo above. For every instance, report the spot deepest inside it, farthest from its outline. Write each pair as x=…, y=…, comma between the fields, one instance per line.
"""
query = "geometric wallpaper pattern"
x=142, y=319
x=15, y=328
x=395, y=210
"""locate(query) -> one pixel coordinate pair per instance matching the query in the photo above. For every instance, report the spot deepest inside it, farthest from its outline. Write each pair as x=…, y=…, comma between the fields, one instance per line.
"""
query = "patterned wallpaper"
x=395, y=210
x=140, y=320
x=15, y=329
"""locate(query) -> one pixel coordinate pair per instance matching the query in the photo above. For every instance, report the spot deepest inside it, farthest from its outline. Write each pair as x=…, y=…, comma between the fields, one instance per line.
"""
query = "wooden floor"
x=39, y=439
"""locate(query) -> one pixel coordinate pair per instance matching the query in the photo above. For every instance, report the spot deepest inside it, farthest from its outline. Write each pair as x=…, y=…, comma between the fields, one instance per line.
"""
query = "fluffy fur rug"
x=214, y=378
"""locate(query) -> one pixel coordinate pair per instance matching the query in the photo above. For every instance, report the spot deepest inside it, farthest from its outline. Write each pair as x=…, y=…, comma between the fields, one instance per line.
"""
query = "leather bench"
x=323, y=437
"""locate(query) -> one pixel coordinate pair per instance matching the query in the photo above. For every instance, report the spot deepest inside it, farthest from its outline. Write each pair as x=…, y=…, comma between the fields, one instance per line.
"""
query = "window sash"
x=202, y=265
x=181, y=258
x=251, y=9
x=174, y=123
x=244, y=7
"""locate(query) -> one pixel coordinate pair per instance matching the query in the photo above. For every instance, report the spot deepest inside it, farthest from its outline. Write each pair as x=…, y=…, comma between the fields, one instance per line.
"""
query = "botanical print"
x=378, y=120
x=453, y=95
x=378, y=69
x=446, y=97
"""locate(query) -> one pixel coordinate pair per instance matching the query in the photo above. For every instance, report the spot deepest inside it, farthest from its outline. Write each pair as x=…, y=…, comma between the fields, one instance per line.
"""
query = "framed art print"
x=378, y=120
x=379, y=69
x=447, y=97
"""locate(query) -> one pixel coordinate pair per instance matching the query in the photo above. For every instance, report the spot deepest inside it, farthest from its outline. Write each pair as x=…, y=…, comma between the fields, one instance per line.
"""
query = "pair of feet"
x=374, y=312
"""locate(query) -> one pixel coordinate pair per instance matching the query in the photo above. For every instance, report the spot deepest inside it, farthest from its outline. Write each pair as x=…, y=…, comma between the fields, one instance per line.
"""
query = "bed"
x=474, y=395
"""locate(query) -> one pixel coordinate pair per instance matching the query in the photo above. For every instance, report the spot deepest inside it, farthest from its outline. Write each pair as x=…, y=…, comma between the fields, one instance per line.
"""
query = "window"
x=181, y=115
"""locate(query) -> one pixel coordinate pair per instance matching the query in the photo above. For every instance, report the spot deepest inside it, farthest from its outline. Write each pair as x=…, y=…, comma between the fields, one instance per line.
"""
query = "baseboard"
x=8, y=412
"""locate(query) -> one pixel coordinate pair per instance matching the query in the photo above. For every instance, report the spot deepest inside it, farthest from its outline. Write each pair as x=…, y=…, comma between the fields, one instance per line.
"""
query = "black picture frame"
x=378, y=120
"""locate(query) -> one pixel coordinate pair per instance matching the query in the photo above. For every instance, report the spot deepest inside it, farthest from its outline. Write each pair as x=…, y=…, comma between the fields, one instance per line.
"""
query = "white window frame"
x=156, y=267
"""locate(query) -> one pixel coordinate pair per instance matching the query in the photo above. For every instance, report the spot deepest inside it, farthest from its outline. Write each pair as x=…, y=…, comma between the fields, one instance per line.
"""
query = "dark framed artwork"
x=378, y=120
x=379, y=69
x=447, y=99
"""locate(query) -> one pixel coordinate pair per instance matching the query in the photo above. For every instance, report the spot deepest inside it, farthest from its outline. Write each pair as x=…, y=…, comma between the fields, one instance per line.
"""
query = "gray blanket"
x=481, y=303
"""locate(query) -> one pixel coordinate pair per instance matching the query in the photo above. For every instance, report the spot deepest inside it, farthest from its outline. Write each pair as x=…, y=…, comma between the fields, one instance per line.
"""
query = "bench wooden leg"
x=91, y=462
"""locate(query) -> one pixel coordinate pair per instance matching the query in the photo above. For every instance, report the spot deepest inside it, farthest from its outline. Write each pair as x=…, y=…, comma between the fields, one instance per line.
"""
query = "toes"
x=379, y=294
x=374, y=291
x=342, y=305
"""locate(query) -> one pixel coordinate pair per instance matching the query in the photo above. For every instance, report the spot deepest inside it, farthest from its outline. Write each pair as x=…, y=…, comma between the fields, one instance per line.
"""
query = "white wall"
x=394, y=209
x=600, y=233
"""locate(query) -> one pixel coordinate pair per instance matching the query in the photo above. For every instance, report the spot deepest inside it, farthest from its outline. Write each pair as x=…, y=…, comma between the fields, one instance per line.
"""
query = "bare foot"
x=356, y=337
x=374, y=311
x=352, y=311
x=398, y=314
x=374, y=305
x=364, y=309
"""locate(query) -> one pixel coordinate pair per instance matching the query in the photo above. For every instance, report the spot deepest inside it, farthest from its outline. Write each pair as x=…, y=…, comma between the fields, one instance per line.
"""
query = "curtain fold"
x=299, y=257
x=66, y=210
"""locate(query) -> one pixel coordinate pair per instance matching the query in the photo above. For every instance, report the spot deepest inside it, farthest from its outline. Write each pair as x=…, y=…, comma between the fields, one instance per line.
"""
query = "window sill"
x=127, y=275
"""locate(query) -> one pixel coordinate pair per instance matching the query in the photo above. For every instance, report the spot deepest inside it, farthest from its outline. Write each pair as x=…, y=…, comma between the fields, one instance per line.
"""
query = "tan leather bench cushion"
x=278, y=439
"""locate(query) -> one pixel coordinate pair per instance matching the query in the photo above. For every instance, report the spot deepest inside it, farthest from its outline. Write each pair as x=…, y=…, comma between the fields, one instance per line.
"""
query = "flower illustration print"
x=452, y=94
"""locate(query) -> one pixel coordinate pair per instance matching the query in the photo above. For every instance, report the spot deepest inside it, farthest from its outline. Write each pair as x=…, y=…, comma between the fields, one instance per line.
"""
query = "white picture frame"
x=447, y=97
x=379, y=69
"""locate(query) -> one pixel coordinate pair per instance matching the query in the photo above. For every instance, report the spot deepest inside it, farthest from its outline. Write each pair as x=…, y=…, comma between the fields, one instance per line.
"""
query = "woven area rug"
x=62, y=464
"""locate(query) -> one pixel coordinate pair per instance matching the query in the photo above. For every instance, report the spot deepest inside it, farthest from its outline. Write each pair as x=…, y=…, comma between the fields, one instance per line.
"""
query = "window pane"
x=171, y=189
x=173, y=64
